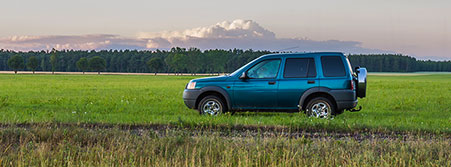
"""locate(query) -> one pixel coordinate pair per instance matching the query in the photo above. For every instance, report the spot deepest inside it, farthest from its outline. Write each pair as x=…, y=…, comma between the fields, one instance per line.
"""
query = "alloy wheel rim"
x=212, y=107
x=320, y=110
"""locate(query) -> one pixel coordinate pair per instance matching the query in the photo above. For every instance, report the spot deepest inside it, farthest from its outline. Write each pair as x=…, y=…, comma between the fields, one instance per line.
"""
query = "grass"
x=394, y=103
x=89, y=120
x=74, y=146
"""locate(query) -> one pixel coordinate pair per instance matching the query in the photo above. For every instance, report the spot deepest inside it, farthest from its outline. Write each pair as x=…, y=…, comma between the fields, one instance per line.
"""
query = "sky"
x=417, y=28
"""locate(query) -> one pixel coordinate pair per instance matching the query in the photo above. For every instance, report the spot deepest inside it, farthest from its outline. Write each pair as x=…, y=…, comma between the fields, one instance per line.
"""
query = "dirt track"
x=237, y=131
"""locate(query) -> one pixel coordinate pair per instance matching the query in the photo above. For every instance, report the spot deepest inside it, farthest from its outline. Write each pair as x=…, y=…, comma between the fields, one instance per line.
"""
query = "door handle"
x=272, y=82
x=311, y=81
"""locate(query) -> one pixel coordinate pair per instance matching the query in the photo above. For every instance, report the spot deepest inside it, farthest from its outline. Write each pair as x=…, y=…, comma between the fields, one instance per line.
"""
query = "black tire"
x=338, y=112
x=212, y=105
x=320, y=107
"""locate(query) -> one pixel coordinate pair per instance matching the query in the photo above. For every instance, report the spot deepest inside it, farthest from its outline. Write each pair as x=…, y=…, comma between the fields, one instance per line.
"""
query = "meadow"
x=132, y=120
x=418, y=103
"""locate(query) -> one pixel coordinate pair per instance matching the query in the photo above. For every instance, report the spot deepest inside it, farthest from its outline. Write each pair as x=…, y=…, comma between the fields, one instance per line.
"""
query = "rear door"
x=299, y=75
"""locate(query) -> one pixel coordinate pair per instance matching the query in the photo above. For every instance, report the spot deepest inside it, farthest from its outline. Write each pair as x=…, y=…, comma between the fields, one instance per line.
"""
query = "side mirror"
x=244, y=76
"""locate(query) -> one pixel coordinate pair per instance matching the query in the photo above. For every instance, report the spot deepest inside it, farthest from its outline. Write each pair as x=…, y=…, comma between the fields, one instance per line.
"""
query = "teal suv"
x=320, y=84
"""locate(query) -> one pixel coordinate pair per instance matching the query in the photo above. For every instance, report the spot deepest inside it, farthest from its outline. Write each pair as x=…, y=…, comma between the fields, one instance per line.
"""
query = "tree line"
x=182, y=60
x=397, y=63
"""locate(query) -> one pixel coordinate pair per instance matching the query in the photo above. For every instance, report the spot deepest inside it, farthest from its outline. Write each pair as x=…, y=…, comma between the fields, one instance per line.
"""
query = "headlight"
x=191, y=85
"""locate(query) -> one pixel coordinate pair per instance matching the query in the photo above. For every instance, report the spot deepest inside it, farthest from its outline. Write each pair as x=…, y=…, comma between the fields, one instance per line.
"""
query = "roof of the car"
x=300, y=54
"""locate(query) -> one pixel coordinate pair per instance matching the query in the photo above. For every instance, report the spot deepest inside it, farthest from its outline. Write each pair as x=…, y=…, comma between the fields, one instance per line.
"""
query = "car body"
x=281, y=82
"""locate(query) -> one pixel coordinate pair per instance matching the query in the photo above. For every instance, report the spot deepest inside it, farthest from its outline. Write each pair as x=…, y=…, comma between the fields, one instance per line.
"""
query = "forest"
x=182, y=60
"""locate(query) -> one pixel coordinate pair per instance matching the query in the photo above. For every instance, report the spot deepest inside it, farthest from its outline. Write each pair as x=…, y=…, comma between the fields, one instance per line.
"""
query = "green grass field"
x=87, y=120
x=394, y=103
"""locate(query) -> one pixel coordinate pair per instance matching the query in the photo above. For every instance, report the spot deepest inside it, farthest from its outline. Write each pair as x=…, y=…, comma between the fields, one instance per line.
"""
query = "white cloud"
x=242, y=34
x=236, y=29
x=245, y=34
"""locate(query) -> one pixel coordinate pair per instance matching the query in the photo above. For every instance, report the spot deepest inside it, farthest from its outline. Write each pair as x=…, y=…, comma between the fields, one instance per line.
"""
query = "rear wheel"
x=211, y=105
x=338, y=112
x=320, y=107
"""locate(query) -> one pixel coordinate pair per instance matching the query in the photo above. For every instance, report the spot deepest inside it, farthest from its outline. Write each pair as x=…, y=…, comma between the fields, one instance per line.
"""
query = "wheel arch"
x=316, y=92
x=213, y=90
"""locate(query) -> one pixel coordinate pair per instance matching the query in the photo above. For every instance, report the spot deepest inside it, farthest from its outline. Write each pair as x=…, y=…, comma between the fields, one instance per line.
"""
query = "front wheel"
x=320, y=107
x=211, y=105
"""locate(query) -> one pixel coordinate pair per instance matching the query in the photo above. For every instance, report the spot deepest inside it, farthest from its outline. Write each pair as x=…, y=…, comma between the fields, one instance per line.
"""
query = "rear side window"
x=333, y=66
x=299, y=68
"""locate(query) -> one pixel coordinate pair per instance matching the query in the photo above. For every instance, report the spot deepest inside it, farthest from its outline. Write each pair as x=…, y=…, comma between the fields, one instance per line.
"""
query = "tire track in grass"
x=238, y=131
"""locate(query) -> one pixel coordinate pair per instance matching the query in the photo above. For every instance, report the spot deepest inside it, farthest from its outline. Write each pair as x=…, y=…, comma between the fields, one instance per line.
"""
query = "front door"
x=259, y=91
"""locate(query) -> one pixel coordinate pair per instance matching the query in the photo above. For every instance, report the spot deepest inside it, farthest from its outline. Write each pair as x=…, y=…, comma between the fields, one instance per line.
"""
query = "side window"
x=299, y=68
x=312, y=68
x=264, y=69
x=333, y=66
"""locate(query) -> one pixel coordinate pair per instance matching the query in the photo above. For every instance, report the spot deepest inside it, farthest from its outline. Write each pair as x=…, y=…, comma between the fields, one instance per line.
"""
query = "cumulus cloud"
x=245, y=34
x=237, y=29
x=242, y=34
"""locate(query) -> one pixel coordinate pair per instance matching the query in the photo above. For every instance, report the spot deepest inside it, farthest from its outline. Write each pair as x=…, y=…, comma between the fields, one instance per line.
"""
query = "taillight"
x=352, y=85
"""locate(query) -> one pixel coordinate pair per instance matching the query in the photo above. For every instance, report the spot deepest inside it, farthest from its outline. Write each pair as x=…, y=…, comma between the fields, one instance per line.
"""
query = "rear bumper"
x=346, y=99
x=190, y=97
x=346, y=105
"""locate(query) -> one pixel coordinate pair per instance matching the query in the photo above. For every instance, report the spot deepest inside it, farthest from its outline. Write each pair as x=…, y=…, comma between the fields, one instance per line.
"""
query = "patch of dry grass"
x=73, y=146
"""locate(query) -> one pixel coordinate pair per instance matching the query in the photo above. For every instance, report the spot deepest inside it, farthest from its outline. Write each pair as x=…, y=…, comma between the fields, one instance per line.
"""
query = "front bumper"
x=190, y=97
